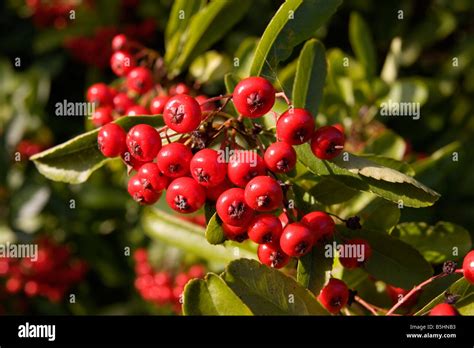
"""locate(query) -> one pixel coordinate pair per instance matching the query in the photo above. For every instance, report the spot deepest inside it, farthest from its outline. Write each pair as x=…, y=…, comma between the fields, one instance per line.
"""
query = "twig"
x=366, y=305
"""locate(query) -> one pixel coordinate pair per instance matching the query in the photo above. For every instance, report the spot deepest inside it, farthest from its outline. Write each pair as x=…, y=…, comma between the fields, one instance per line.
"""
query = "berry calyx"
x=99, y=94
x=208, y=168
x=235, y=233
x=102, y=115
x=362, y=251
x=264, y=229
x=320, y=224
x=243, y=166
x=263, y=193
x=140, y=80
x=182, y=113
x=296, y=239
x=468, y=267
x=185, y=195
x=280, y=157
x=254, y=97
x=327, y=142
x=295, y=126
x=272, y=256
x=152, y=178
x=143, y=142
x=232, y=209
x=443, y=309
x=334, y=295
x=122, y=63
x=157, y=104
x=141, y=193
x=111, y=140
x=174, y=159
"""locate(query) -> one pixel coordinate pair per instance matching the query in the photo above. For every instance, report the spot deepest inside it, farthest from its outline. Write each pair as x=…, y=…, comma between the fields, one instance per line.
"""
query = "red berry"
x=327, y=142
x=122, y=103
x=254, y=97
x=265, y=228
x=295, y=126
x=280, y=157
x=232, y=209
x=263, y=193
x=213, y=192
x=296, y=239
x=196, y=271
x=235, y=233
x=143, y=142
x=397, y=294
x=272, y=256
x=122, y=63
x=208, y=168
x=152, y=178
x=174, y=159
x=468, y=267
x=111, y=140
x=179, y=88
x=334, y=295
x=182, y=113
x=283, y=217
x=131, y=161
x=158, y=103
x=204, y=104
x=185, y=195
x=443, y=309
x=140, y=255
x=140, y=80
x=137, y=110
x=119, y=42
x=99, y=94
x=358, y=252
x=102, y=115
x=244, y=165
x=140, y=192
x=320, y=224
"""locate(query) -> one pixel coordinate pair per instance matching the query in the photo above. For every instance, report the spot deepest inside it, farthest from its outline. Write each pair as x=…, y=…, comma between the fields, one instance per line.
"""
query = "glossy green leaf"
x=210, y=67
x=388, y=144
x=329, y=191
x=362, y=44
x=214, y=232
x=400, y=166
x=75, y=160
x=380, y=215
x=312, y=268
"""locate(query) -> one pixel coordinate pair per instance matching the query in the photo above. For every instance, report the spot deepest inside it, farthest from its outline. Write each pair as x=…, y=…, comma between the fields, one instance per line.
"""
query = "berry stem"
x=284, y=96
x=219, y=97
x=371, y=308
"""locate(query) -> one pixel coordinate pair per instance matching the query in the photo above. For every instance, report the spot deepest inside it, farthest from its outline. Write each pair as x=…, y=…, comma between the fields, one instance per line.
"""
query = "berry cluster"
x=162, y=287
x=50, y=13
x=51, y=275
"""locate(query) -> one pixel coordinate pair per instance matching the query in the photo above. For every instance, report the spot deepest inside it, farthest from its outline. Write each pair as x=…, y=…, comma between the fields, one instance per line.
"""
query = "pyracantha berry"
x=468, y=267
x=122, y=63
x=140, y=80
x=320, y=224
x=204, y=104
x=232, y=209
x=142, y=193
x=254, y=97
x=119, y=42
x=280, y=157
x=244, y=165
x=235, y=233
x=174, y=159
x=152, y=178
x=143, y=142
x=272, y=256
x=296, y=239
x=102, y=115
x=182, y=113
x=363, y=253
x=122, y=103
x=397, y=295
x=334, y=295
x=444, y=309
x=327, y=142
x=263, y=193
x=295, y=126
x=99, y=94
x=213, y=192
x=185, y=195
x=131, y=161
x=208, y=167
x=111, y=140
x=137, y=110
x=264, y=229
x=179, y=88
x=157, y=104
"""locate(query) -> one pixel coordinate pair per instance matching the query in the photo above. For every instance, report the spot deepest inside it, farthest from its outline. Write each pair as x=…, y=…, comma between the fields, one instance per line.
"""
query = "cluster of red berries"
x=28, y=148
x=50, y=13
x=51, y=275
x=162, y=287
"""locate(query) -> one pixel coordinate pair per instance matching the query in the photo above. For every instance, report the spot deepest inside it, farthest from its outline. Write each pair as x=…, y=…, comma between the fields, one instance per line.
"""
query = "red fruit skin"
x=157, y=104
x=122, y=63
x=131, y=161
x=468, y=267
x=140, y=80
x=122, y=103
x=143, y=142
x=296, y=240
x=295, y=126
x=352, y=261
x=324, y=140
x=102, y=115
x=283, y=219
x=204, y=104
x=232, y=209
x=213, y=192
x=174, y=160
x=253, y=97
x=334, y=295
x=137, y=110
x=272, y=256
x=182, y=113
x=397, y=294
x=185, y=195
x=263, y=194
x=320, y=224
x=280, y=157
x=151, y=176
x=179, y=88
x=208, y=168
x=265, y=229
x=139, y=193
x=99, y=94
x=443, y=309
x=243, y=166
x=111, y=140
x=235, y=233
x=119, y=42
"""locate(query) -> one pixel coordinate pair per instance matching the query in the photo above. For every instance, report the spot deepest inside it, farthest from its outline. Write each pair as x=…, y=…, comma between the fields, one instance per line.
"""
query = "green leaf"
x=211, y=296
x=312, y=268
x=380, y=215
x=408, y=90
x=214, y=232
x=310, y=77
x=391, y=163
x=245, y=54
x=267, y=291
x=430, y=164
x=392, y=261
x=436, y=243
x=362, y=44
x=210, y=67
x=205, y=28
x=294, y=22
x=75, y=160
x=328, y=191
x=231, y=80
x=388, y=144
x=188, y=237
x=364, y=175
